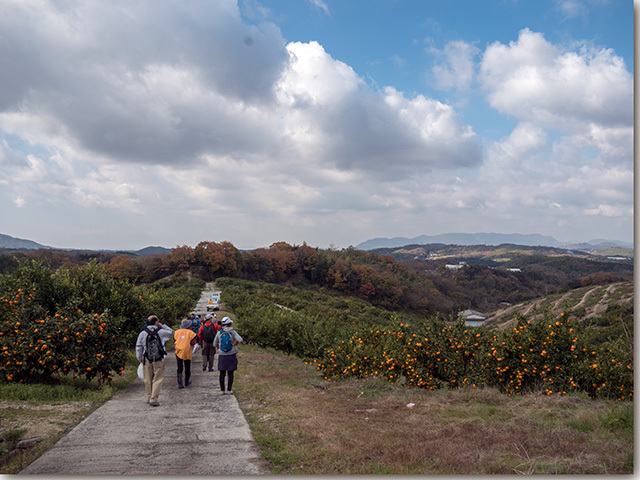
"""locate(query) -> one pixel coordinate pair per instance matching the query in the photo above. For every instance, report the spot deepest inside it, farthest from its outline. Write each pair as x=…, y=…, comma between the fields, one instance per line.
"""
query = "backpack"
x=155, y=350
x=208, y=333
x=226, y=341
x=195, y=324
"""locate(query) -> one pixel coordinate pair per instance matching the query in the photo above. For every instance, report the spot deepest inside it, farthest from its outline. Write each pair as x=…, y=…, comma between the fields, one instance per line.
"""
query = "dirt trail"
x=558, y=303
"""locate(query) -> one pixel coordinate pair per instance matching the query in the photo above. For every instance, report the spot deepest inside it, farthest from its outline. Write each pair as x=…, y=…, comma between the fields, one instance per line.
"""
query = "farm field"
x=587, y=302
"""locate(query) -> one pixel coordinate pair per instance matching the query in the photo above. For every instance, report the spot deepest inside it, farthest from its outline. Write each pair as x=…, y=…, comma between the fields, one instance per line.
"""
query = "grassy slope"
x=305, y=425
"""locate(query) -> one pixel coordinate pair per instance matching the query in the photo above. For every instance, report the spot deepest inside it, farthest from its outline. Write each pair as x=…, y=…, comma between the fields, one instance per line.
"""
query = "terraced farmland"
x=587, y=302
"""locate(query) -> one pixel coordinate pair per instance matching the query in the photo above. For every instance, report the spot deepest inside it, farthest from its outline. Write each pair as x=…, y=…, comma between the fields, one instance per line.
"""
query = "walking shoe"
x=230, y=392
x=204, y=367
x=154, y=404
x=211, y=369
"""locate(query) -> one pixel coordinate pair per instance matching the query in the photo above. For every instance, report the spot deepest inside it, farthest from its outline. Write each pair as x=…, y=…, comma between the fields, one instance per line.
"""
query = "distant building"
x=473, y=318
x=514, y=269
x=456, y=267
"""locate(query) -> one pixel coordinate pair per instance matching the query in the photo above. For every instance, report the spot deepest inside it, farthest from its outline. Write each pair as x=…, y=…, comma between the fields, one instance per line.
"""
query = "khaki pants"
x=153, y=378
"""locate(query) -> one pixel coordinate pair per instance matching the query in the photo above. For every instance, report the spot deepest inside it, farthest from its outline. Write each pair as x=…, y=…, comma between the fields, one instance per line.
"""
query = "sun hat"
x=186, y=323
x=226, y=321
x=208, y=316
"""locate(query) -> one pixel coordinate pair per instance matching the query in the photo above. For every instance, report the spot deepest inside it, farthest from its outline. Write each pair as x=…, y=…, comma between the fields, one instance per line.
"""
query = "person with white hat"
x=226, y=343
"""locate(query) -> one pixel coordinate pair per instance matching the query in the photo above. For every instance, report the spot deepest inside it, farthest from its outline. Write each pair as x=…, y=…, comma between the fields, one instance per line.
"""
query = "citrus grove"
x=78, y=321
x=557, y=355
x=550, y=356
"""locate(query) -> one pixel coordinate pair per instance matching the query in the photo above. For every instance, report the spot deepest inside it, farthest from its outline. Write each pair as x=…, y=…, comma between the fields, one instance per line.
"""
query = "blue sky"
x=124, y=125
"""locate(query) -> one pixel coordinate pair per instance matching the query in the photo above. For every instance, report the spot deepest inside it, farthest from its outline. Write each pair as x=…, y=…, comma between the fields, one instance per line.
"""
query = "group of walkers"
x=211, y=335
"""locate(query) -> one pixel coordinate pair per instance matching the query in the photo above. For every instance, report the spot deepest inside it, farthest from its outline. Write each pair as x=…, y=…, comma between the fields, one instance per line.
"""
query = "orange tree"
x=531, y=356
x=72, y=321
x=549, y=355
x=83, y=345
x=37, y=342
x=439, y=355
x=78, y=320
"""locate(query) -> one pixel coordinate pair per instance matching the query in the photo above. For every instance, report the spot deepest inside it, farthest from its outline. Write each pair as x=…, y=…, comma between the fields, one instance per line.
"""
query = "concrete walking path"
x=195, y=431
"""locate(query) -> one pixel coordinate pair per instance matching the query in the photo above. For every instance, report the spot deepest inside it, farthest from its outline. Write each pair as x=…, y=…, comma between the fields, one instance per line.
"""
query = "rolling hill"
x=488, y=239
x=7, y=241
x=587, y=302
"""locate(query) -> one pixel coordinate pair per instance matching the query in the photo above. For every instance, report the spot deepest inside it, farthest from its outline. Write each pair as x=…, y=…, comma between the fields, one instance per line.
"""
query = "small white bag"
x=140, y=372
x=195, y=348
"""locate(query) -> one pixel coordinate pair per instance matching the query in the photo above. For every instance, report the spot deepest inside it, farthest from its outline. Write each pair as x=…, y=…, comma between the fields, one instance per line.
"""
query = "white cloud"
x=571, y=154
x=605, y=211
x=572, y=8
x=398, y=61
x=457, y=69
x=536, y=81
x=320, y=4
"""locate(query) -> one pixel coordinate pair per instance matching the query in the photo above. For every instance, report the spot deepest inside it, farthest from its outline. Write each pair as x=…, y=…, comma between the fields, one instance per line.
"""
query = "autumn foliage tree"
x=219, y=259
x=123, y=267
x=181, y=258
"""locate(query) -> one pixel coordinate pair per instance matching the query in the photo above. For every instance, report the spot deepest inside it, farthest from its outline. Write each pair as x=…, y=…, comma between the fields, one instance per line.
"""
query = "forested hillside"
x=414, y=278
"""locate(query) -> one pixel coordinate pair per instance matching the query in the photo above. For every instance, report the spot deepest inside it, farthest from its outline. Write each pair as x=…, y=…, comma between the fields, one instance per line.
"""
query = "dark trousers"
x=208, y=352
x=184, y=364
x=229, y=382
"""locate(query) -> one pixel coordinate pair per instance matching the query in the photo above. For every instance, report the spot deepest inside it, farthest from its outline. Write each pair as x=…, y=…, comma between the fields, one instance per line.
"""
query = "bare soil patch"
x=43, y=420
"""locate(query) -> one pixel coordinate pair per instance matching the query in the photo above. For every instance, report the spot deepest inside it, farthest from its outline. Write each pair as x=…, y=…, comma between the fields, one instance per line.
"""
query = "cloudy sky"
x=127, y=124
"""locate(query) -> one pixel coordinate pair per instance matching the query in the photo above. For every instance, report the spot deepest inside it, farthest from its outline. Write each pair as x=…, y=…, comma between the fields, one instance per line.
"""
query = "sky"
x=326, y=122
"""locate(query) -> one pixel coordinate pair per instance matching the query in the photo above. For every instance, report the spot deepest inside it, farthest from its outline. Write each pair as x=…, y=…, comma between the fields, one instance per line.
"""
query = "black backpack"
x=208, y=333
x=155, y=350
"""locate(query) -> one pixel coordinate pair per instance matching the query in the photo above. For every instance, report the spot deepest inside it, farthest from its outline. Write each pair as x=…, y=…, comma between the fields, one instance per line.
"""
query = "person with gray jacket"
x=226, y=343
x=153, y=370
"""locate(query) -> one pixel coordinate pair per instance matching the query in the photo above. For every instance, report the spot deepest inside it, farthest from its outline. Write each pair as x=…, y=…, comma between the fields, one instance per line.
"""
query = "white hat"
x=226, y=321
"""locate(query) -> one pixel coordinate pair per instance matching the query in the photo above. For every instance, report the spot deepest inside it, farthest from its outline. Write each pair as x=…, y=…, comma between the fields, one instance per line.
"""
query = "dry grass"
x=48, y=412
x=305, y=425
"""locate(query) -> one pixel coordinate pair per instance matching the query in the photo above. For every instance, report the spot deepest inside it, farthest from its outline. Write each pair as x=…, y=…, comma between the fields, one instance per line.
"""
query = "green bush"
x=78, y=321
x=345, y=337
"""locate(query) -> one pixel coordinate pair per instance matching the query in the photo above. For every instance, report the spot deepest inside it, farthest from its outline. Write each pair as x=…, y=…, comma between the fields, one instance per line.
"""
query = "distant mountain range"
x=7, y=241
x=10, y=242
x=532, y=240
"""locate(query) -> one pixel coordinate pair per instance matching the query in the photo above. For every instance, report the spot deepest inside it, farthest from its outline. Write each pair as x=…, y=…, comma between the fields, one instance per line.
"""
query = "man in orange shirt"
x=184, y=339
